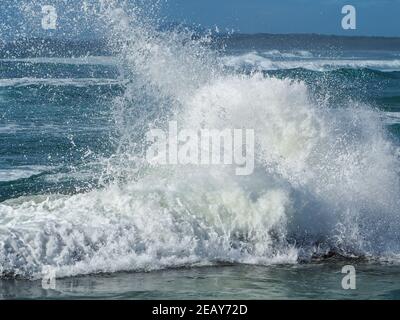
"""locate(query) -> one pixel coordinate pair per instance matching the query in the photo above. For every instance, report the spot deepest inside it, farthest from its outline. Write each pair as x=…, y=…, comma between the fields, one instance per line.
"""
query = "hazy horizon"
x=373, y=18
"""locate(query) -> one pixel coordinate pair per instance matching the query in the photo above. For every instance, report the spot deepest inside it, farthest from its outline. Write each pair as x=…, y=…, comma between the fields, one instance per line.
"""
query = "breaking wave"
x=326, y=179
x=254, y=60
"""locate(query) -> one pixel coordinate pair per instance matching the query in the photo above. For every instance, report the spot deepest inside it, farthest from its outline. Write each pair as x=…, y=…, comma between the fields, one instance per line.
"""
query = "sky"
x=373, y=17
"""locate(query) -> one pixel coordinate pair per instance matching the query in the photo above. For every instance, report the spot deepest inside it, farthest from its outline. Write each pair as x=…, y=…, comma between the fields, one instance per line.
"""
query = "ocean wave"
x=288, y=54
x=75, y=82
x=22, y=172
x=392, y=118
x=256, y=61
x=325, y=182
x=86, y=60
x=326, y=179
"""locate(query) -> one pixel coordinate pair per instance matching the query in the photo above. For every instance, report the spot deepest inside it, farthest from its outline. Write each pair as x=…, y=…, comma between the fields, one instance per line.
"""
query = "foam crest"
x=269, y=61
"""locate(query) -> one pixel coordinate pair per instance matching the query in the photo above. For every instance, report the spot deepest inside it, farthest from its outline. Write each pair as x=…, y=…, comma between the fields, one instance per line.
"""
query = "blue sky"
x=374, y=17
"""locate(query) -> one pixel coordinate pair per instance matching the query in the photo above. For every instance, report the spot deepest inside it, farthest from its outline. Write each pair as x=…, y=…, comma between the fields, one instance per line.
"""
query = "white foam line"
x=20, y=172
x=392, y=117
x=88, y=60
x=78, y=82
x=260, y=62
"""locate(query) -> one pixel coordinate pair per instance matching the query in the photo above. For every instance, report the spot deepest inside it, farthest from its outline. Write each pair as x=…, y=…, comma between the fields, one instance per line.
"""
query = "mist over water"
x=326, y=179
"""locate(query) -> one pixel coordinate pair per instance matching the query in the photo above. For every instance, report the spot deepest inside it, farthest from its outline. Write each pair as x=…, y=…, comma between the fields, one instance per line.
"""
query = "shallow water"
x=308, y=281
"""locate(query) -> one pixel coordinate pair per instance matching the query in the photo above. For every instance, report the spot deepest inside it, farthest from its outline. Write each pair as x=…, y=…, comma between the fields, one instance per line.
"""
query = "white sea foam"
x=76, y=82
x=258, y=61
x=325, y=180
x=392, y=117
x=85, y=60
x=304, y=54
x=10, y=128
x=21, y=172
